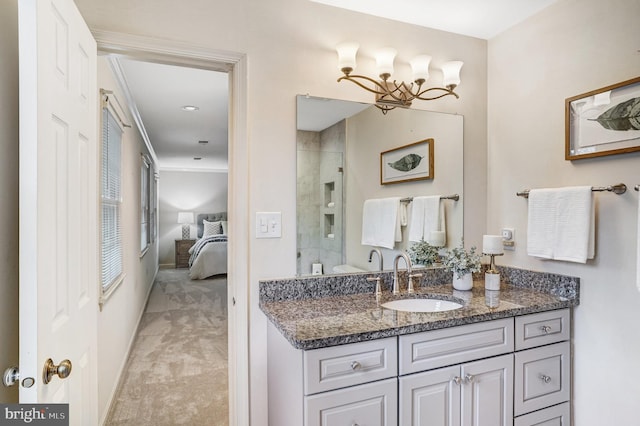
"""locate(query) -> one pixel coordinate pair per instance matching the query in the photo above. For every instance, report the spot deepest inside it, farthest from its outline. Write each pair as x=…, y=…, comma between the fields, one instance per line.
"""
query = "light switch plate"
x=268, y=224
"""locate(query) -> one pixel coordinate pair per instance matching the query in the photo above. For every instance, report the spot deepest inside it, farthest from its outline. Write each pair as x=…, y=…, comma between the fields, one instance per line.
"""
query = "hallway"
x=177, y=370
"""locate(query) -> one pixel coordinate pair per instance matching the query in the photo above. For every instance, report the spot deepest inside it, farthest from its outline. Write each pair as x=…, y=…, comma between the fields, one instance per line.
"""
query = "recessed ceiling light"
x=190, y=108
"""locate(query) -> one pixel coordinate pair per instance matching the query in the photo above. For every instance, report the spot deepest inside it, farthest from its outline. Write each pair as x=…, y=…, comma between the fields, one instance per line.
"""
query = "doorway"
x=148, y=49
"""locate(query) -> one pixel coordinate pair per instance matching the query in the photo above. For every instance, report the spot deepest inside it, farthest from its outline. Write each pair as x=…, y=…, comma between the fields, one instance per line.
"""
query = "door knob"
x=50, y=369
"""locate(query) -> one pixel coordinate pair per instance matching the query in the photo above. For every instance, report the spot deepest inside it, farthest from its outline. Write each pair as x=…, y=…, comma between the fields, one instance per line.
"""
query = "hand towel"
x=427, y=214
x=561, y=224
x=638, y=250
x=381, y=222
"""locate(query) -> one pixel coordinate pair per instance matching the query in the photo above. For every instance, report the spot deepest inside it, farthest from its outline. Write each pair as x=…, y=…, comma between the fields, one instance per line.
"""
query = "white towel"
x=427, y=214
x=561, y=224
x=638, y=250
x=381, y=222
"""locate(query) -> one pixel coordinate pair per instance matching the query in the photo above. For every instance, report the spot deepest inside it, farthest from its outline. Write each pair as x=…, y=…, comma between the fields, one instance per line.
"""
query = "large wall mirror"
x=338, y=167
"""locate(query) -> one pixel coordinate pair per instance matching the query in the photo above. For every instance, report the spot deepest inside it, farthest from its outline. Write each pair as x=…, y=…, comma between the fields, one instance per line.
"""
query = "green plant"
x=423, y=253
x=462, y=262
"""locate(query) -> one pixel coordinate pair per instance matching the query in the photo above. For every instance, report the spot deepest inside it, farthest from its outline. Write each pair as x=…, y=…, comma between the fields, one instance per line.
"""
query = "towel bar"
x=454, y=197
x=619, y=189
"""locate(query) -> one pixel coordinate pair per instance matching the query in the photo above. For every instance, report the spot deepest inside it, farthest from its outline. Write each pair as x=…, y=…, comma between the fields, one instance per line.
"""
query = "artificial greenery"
x=423, y=253
x=462, y=262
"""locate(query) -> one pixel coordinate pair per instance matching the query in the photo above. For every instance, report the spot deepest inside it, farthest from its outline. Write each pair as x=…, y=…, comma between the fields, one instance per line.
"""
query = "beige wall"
x=118, y=321
x=568, y=49
x=8, y=192
x=198, y=192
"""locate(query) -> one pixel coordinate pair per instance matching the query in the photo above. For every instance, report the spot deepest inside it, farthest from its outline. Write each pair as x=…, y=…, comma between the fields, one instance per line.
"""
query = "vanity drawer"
x=542, y=329
x=542, y=377
x=340, y=366
x=439, y=348
x=558, y=415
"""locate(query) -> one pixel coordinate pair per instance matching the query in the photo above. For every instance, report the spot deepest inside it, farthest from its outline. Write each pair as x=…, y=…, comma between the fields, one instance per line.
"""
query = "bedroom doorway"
x=234, y=67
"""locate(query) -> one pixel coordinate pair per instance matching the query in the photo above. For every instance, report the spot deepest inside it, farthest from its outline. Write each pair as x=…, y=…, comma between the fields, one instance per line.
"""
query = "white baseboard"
x=125, y=360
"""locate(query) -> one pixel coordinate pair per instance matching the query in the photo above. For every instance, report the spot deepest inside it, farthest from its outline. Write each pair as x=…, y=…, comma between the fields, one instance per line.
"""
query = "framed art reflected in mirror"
x=407, y=163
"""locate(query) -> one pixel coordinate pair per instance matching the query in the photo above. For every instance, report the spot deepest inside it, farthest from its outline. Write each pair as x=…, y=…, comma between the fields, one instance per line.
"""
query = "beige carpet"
x=177, y=371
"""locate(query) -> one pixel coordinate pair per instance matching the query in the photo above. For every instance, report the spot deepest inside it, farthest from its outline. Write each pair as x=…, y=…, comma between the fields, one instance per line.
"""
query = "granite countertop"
x=314, y=313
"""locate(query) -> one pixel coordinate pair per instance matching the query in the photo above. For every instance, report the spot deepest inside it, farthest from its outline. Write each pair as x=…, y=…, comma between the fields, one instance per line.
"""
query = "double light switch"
x=268, y=224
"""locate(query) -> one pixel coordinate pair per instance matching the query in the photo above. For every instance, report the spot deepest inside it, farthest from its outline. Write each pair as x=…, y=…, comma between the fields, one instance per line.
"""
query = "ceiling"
x=476, y=18
x=159, y=91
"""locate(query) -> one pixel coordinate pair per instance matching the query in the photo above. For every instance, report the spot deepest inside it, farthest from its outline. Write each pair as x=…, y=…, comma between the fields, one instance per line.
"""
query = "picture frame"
x=605, y=121
x=407, y=163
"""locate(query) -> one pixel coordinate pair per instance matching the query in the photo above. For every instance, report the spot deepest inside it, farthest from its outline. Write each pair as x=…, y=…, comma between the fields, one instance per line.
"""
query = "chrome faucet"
x=380, y=260
x=396, y=282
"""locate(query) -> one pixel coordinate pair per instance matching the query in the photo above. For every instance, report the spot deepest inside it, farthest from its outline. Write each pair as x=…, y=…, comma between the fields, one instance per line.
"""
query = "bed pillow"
x=211, y=228
x=225, y=227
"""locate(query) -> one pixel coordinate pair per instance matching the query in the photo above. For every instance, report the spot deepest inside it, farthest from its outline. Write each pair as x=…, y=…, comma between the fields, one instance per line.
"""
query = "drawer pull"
x=355, y=365
x=545, y=329
x=545, y=378
x=457, y=380
x=469, y=378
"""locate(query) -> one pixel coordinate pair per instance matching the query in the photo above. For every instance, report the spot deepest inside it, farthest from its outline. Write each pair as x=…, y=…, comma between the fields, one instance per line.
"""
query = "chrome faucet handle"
x=378, y=291
x=410, y=285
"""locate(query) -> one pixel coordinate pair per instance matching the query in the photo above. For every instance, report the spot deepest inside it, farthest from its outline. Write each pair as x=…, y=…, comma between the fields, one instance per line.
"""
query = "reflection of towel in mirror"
x=427, y=214
x=561, y=224
x=381, y=222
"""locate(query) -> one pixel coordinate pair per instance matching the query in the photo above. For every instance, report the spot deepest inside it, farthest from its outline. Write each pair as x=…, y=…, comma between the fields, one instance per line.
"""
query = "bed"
x=209, y=253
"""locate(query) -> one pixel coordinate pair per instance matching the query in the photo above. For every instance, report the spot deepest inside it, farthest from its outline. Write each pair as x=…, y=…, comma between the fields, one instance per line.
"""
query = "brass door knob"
x=50, y=369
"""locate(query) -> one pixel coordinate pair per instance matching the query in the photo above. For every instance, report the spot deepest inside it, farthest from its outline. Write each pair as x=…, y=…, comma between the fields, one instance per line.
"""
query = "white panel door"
x=487, y=395
x=431, y=398
x=58, y=205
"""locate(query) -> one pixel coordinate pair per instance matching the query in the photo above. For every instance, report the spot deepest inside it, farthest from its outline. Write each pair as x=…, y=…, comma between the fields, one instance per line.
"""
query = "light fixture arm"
x=401, y=94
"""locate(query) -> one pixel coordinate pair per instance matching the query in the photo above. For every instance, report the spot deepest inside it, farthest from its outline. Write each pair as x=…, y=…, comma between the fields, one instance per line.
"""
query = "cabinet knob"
x=545, y=329
x=469, y=378
x=457, y=380
x=355, y=365
x=545, y=378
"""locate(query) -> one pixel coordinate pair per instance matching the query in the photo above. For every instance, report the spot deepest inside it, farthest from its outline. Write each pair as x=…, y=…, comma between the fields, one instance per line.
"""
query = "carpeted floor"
x=177, y=370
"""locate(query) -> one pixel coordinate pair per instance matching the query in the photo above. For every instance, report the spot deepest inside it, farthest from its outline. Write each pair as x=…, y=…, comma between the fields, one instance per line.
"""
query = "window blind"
x=111, y=244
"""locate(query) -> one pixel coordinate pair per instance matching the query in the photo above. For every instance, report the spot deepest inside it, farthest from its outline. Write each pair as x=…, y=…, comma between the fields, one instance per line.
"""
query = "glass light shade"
x=185, y=217
x=451, y=73
x=420, y=67
x=347, y=55
x=384, y=60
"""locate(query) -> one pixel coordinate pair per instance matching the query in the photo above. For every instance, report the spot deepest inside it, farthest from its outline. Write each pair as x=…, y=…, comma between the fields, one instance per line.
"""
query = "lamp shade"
x=384, y=60
x=451, y=73
x=347, y=56
x=420, y=68
x=185, y=217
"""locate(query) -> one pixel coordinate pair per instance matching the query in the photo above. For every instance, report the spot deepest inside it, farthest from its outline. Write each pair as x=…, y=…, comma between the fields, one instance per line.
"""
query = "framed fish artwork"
x=407, y=163
x=603, y=122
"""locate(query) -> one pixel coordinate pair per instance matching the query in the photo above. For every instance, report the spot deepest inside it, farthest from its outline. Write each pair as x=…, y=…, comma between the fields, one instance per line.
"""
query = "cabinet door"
x=372, y=404
x=431, y=398
x=487, y=393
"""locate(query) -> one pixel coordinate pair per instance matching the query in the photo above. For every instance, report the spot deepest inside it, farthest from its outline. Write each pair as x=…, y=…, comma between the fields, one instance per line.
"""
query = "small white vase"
x=464, y=283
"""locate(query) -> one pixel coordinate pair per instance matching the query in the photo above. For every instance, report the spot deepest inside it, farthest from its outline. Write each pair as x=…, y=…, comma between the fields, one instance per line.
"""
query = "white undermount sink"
x=421, y=305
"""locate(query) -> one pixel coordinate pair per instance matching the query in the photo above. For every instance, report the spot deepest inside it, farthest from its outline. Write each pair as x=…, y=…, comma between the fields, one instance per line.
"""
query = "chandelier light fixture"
x=392, y=94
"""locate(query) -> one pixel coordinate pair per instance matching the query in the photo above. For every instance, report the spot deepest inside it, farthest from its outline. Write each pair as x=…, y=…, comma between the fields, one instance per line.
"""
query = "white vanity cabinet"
x=511, y=371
